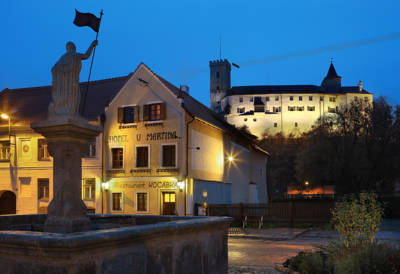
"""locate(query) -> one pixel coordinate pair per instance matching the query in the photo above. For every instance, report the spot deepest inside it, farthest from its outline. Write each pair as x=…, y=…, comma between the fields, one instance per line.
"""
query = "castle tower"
x=220, y=82
x=332, y=81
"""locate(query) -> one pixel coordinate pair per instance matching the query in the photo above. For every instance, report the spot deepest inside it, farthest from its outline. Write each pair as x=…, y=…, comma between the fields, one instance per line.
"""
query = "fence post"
x=291, y=213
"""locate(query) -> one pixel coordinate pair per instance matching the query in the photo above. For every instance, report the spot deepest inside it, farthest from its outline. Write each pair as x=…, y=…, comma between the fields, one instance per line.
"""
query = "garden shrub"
x=357, y=219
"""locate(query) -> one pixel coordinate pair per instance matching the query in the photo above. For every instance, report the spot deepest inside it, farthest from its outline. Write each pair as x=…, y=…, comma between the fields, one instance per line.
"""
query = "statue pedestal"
x=67, y=141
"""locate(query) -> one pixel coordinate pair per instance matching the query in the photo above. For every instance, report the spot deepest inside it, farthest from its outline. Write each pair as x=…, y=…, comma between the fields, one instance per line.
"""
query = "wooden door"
x=169, y=203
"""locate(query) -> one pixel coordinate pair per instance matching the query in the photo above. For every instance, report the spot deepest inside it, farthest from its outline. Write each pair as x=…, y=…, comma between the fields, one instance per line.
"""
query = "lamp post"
x=7, y=117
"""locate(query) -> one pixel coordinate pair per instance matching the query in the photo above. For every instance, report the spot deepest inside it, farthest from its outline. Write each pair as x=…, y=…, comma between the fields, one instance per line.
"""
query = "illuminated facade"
x=161, y=151
x=290, y=109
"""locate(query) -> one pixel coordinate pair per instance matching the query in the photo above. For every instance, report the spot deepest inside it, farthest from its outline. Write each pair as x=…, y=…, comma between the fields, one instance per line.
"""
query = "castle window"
x=310, y=98
x=240, y=110
x=217, y=74
x=300, y=98
x=331, y=110
x=276, y=98
x=300, y=108
x=291, y=98
x=251, y=99
x=240, y=99
x=254, y=120
x=295, y=124
x=276, y=109
x=311, y=108
x=321, y=98
x=291, y=108
x=245, y=119
x=267, y=99
x=332, y=99
x=275, y=124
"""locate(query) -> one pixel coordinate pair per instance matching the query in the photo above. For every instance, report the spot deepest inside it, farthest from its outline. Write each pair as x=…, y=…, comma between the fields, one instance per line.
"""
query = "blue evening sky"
x=176, y=39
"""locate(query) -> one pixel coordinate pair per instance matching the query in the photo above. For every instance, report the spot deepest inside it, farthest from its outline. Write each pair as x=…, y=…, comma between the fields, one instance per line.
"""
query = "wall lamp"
x=105, y=185
x=181, y=185
x=230, y=158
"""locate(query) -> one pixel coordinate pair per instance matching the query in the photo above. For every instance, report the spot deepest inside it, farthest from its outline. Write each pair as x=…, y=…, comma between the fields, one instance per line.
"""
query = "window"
x=4, y=150
x=240, y=99
x=240, y=110
x=309, y=98
x=311, y=108
x=276, y=109
x=259, y=108
x=217, y=74
x=245, y=119
x=154, y=112
x=291, y=98
x=117, y=201
x=295, y=124
x=300, y=108
x=91, y=152
x=331, y=110
x=275, y=124
x=251, y=99
x=300, y=98
x=332, y=99
x=141, y=201
x=276, y=98
x=117, y=157
x=321, y=98
x=267, y=99
x=43, y=189
x=142, y=156
x=43, y=154
x=168, y=155
x=291, y=108
x=89, y=188
x=254, y=120
x=128, y=114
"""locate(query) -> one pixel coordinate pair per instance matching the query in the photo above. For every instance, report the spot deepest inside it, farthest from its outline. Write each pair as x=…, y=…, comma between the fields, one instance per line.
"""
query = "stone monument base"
x=156, y=244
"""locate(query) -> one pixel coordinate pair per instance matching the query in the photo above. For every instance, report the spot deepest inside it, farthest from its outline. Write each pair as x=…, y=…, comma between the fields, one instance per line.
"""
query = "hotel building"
x=160, y=152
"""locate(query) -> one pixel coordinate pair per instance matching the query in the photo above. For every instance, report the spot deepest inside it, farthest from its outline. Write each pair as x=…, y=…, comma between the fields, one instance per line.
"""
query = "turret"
x=332, y=82
x=220, y=82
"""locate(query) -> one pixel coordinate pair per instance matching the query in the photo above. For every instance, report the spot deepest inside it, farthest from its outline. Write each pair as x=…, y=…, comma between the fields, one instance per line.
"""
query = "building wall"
x=289, y=122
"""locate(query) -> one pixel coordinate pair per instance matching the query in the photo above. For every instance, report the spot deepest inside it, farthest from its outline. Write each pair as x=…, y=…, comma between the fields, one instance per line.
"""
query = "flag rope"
x=90, y=70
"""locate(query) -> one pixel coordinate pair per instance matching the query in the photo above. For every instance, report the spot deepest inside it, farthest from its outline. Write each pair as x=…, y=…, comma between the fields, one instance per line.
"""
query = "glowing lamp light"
x=181, y=185
x=5, y=116
x=230, y=159
x=205, y=194
x=105, y=185
x=306, y=183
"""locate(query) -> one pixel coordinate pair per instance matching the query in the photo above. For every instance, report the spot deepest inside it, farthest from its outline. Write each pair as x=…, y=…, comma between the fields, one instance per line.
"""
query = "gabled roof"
x=31, y=103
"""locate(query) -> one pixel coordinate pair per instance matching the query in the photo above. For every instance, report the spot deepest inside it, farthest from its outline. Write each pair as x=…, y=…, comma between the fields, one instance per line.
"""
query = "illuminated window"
x=43, y=154
x=142, y=156
x=311, y=108
x=128, y=114
x=89, y=188
x=117, y=201
x=117, y=157
x=154, y=112
x=4, y=151
x=168, y=155
x=91, y=152
x=141, y=201
x=43, y=189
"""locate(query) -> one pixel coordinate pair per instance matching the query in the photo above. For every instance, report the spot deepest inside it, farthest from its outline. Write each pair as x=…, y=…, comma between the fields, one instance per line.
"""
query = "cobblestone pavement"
x=251, y=270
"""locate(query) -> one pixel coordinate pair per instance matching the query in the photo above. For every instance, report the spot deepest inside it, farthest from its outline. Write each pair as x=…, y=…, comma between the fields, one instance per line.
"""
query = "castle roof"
x=332, y=73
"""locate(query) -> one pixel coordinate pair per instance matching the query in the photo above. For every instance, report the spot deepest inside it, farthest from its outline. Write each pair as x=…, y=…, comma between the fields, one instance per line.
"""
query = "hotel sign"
x=156, y=136
x=172, y=185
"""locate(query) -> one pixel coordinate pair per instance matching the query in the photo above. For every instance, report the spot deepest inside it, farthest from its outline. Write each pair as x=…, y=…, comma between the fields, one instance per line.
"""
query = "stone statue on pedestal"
x=65, y=86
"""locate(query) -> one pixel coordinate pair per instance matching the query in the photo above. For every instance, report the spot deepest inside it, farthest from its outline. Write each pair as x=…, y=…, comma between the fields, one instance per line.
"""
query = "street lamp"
x=7, y=117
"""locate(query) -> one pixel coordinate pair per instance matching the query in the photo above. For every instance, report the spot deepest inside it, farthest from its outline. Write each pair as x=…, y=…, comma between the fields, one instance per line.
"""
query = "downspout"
x=102, y=121
x=187, y=155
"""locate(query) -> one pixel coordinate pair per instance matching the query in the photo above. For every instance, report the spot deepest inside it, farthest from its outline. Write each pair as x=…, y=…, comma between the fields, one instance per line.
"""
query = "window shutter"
x=163, y=111
x=146, y=109
x=120, y=115
x=137, y=114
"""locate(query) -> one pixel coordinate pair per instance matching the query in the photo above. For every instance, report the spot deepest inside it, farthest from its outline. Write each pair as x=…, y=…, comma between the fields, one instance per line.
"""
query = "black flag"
x=87, y=19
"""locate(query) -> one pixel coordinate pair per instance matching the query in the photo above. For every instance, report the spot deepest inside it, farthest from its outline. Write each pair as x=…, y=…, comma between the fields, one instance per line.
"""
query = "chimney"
x=360, y=86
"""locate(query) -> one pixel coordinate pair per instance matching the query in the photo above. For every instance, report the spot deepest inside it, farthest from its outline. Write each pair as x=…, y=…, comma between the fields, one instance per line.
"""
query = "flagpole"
x=90, y=71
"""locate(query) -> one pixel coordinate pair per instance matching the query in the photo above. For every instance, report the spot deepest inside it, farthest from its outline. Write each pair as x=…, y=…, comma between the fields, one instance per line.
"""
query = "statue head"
x=70, y=47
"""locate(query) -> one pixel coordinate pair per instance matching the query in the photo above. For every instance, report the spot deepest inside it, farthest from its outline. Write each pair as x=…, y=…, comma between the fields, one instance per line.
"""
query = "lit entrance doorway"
x=169, y=203
x=8, y=202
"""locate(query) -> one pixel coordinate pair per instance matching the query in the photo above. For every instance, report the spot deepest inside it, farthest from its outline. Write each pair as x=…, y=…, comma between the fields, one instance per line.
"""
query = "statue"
x=65, y=91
